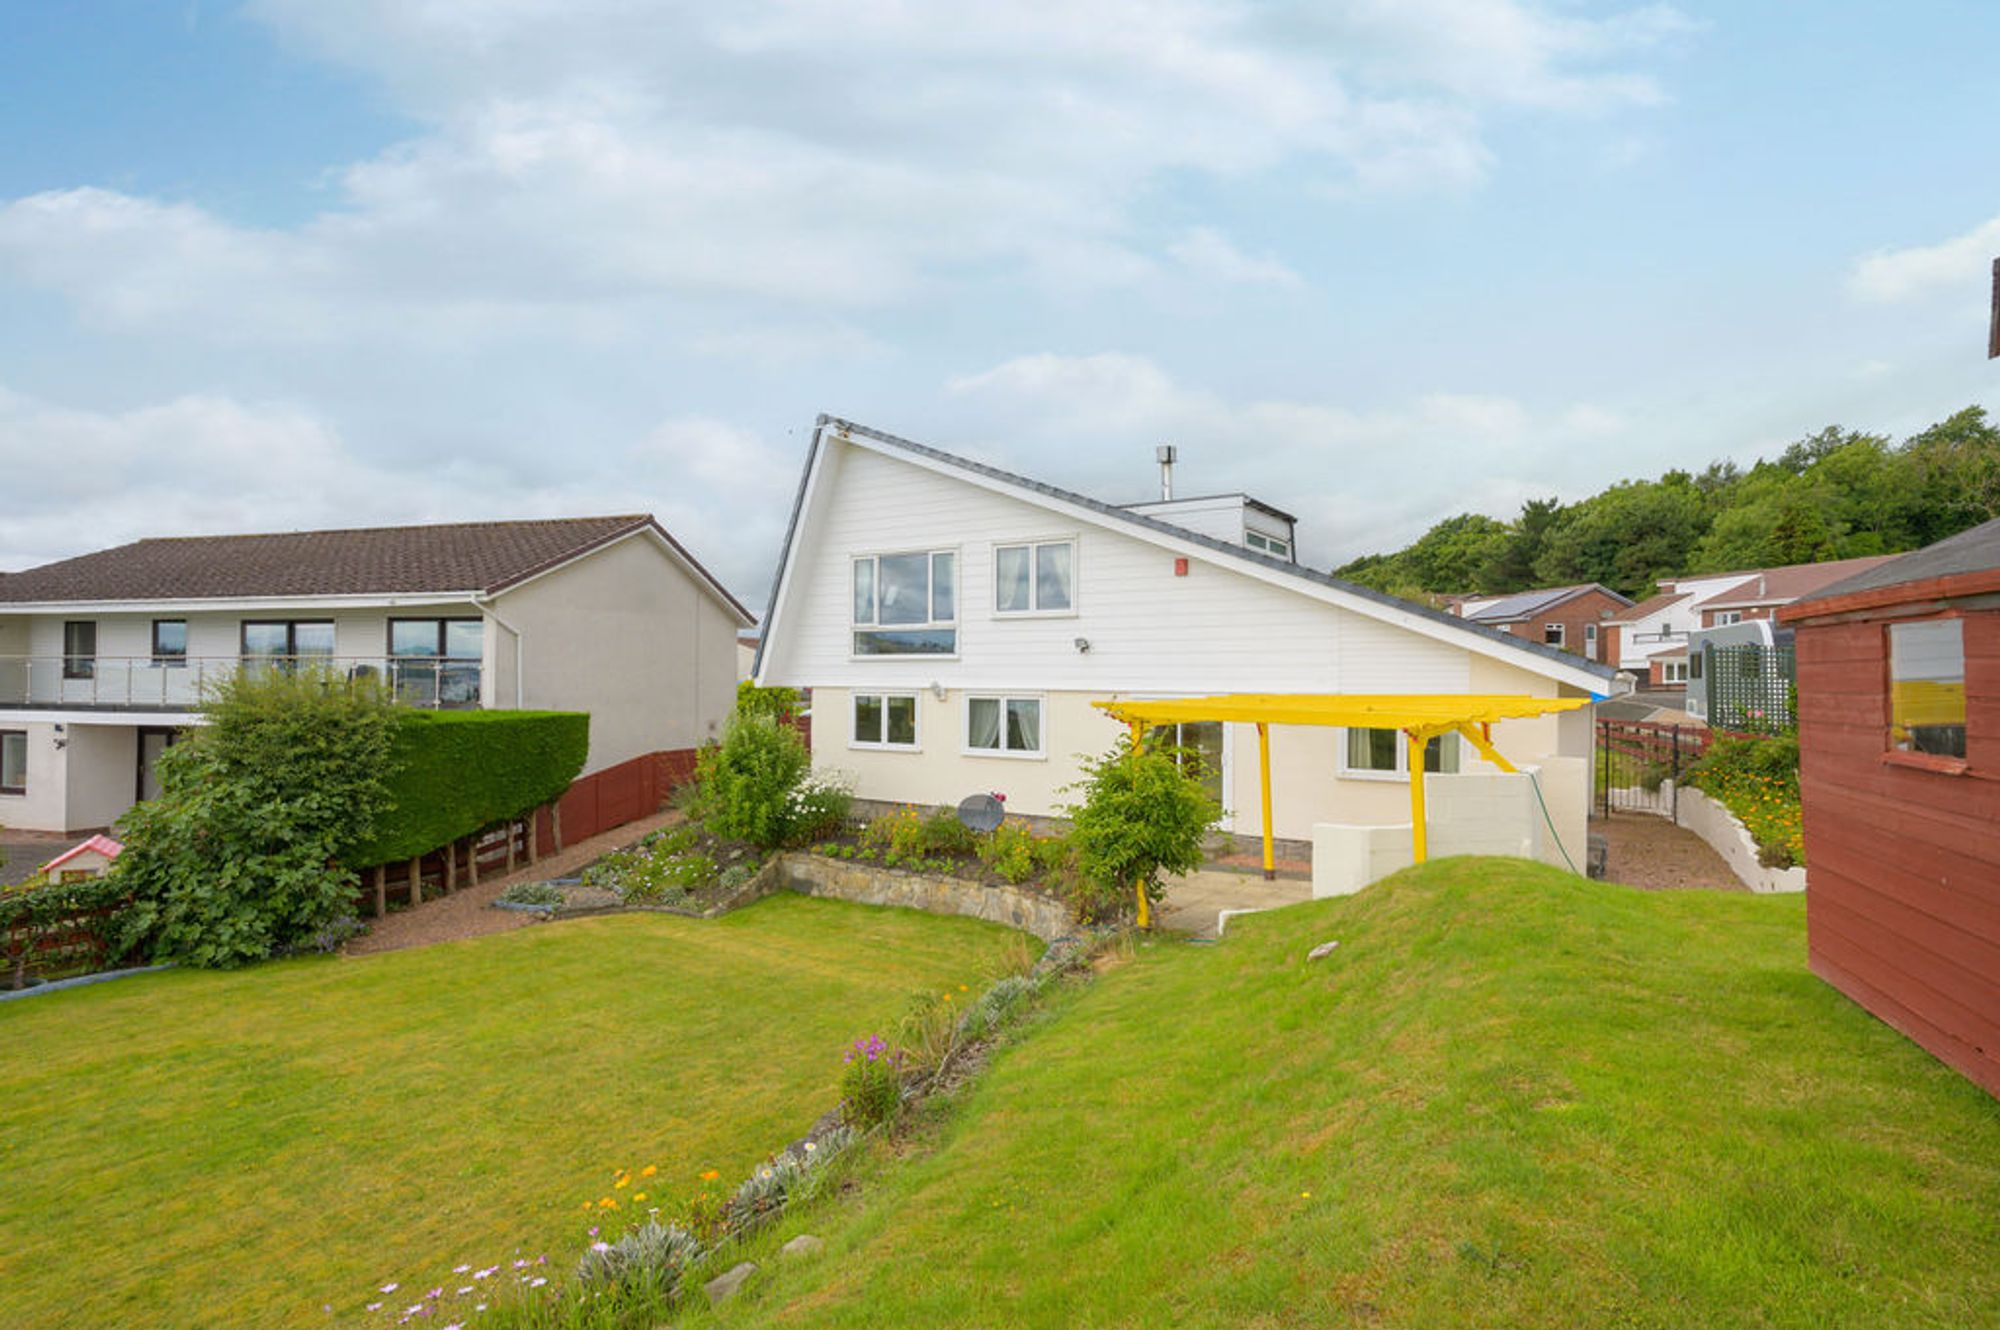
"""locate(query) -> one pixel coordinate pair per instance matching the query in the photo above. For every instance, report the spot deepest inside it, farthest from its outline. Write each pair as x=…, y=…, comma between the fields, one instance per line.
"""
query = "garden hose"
x=1535, y=781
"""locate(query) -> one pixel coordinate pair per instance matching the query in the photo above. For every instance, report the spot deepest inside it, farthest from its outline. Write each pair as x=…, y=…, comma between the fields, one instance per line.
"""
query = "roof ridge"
x=632, y=518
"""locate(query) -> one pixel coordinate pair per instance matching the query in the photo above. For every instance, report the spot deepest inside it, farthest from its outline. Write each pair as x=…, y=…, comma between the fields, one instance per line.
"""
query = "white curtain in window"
x=1024, y=725
x=982, y=722
x=1053, y=577
x=1010, y=579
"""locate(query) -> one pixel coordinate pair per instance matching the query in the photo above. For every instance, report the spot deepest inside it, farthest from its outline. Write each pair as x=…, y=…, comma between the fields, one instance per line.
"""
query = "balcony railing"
x=146, y=683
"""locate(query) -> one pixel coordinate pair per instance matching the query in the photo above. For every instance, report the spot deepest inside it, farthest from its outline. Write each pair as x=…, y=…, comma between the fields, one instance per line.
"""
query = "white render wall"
x=629, y=636
x=42, y=807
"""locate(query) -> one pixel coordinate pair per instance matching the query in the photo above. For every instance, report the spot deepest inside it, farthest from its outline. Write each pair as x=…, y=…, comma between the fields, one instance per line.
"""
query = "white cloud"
x=584, y=166
x=1206, y=252
x=1359, y=481
x=1961, y=264
x=203, y=465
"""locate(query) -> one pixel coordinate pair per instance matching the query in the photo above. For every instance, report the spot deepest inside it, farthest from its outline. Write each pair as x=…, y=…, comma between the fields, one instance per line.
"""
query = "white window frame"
x=1274, y=545
x=883, y=745
x=1674, y=671
x=1034, y=579
x=1041, y=729
x=1723, y=618
x=1561, y=631
x=955, y=624
x=1401, y=775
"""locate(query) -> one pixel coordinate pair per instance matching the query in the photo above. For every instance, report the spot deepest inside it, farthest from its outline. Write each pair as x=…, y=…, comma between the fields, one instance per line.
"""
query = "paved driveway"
x=24, y=852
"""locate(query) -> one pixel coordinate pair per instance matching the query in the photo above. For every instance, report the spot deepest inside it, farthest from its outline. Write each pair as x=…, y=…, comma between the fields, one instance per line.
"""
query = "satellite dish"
x=981, y=812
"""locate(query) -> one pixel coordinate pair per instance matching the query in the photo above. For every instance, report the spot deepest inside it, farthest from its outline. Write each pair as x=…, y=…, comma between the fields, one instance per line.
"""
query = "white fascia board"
x=92, y=716
x=1415, y=623
x=801, y=523
x=228, y=604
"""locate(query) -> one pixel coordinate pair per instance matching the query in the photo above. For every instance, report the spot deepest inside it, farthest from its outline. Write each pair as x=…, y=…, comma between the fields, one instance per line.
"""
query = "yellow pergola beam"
x=1420, y=716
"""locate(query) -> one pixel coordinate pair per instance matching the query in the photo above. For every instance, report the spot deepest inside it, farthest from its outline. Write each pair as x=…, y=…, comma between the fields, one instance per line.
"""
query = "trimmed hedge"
x=457, y=772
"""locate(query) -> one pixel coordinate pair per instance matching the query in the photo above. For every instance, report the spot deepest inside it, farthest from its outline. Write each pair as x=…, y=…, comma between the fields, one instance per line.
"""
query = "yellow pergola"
x=1420, y=716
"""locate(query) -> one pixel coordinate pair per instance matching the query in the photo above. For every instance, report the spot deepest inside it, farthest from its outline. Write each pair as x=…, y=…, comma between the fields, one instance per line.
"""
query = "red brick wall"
x=1573, y=615
x=1903, y=864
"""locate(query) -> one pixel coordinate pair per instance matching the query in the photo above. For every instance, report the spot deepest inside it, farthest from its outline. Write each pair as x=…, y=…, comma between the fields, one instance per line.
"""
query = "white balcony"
x=154, y=685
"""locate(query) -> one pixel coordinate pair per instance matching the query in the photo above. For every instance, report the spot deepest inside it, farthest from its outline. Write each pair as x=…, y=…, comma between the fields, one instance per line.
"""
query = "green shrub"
x=817, y=808
x=457, y=772
x=1009, y=850
x=747, y=781
x=653, y=1257
x=237, y=858
x=780, y=704
x=945, y=834
x=871, y=1086
x=1758, y=781
x=531, y=893
x=1142, y=815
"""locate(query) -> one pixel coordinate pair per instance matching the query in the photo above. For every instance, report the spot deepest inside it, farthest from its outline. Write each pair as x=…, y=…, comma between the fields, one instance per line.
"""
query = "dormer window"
x=1257, y=540
x=906, y=604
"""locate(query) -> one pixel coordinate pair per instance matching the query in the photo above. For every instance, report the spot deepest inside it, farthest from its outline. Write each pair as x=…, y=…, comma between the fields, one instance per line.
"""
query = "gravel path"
x=1653, y=854
x=465, y=913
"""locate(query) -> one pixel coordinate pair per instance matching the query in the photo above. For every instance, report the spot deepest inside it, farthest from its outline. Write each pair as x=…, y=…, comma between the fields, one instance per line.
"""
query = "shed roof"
x=1965, y=564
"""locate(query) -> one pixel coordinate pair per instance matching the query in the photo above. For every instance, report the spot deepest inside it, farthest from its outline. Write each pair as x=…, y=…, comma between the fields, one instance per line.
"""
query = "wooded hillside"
x=1835, y=495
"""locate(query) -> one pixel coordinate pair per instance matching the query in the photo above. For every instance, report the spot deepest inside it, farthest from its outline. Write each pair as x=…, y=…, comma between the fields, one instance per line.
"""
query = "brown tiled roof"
x=1777, y=586
x=1650, y=605
x=468, y=556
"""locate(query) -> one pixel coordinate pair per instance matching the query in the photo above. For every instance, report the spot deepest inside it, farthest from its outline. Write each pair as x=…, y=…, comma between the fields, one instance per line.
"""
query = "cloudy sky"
x=293, y=263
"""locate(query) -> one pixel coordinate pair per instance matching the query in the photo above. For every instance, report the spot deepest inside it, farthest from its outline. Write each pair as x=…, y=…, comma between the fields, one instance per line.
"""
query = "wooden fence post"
x=417, y=880
x=381, y=892
x=450, y=867
x=513, y=829
x=534, y=833
x=555, y=824
x=472, y=858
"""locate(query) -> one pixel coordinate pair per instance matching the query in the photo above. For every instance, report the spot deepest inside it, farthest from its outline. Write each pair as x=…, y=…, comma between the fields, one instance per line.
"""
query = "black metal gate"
x=1640, y=765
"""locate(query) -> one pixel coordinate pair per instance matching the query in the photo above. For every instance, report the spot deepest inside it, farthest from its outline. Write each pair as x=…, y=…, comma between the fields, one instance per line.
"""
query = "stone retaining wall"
x=871, y=884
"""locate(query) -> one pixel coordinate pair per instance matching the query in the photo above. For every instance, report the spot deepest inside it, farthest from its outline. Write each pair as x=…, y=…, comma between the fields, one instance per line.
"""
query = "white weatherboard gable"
x=1230, y=625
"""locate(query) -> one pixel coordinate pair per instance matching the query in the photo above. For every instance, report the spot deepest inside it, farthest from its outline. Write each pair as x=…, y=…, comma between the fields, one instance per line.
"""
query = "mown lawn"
x=198, y=1149
x=1511, y=1098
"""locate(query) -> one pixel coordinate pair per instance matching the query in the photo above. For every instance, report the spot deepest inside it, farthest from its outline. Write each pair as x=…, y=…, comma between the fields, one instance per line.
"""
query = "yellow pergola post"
x=1139, y=887
x=1264, y=775
x=1419, y=833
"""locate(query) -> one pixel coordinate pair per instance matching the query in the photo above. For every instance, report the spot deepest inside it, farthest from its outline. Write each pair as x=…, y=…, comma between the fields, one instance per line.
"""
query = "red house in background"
x=1899, y=741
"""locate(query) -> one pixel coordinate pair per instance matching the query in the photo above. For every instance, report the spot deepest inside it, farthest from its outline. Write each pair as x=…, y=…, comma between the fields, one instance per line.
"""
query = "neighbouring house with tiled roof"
x=103, y=657
x=1568, y=617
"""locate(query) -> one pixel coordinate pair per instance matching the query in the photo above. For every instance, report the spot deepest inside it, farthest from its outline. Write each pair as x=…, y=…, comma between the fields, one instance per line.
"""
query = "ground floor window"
x=1005, y=725
x=1375, y=752
x=1196, y=743
x=885, y=720
x=1673, y=671
x=13, y=761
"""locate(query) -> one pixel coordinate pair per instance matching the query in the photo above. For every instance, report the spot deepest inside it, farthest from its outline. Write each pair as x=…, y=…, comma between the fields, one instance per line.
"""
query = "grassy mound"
x=1511, y=1097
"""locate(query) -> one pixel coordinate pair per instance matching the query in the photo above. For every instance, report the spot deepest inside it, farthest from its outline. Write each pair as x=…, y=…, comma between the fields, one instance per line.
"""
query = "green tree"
x=1143, y=814
x=1627, y=537
x=744, y=785
x=1512, y=567
x=238, y=859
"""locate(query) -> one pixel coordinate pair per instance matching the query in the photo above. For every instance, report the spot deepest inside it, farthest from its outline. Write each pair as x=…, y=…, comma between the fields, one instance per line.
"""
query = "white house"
x=955, y=622
x=103, y=657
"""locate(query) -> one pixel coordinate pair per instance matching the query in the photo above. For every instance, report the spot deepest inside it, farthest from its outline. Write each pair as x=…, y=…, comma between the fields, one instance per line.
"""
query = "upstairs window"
x=170, y=641
x=80, y=649
x=435, y=662
x=1927, y=687
x=906, y=604
x=285, y=642
x=1035, y=579
x=1723, y=618
x=1257, y=540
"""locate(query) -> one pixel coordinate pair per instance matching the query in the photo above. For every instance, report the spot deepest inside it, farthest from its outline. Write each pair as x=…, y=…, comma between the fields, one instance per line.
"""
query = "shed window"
x=1927, y=687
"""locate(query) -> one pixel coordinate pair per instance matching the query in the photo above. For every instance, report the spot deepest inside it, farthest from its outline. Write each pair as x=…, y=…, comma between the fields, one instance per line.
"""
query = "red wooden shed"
x=1899, y=741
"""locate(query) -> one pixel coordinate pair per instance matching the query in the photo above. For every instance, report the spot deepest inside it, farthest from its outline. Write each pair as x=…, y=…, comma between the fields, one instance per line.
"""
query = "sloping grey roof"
x=1238, y=553
x=1524, y=604
x=1972, y=551
x=485, y=557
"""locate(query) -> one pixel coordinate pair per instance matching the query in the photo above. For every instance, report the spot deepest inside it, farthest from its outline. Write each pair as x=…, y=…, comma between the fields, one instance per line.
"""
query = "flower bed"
x=1757, y=780
x=938, y=843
